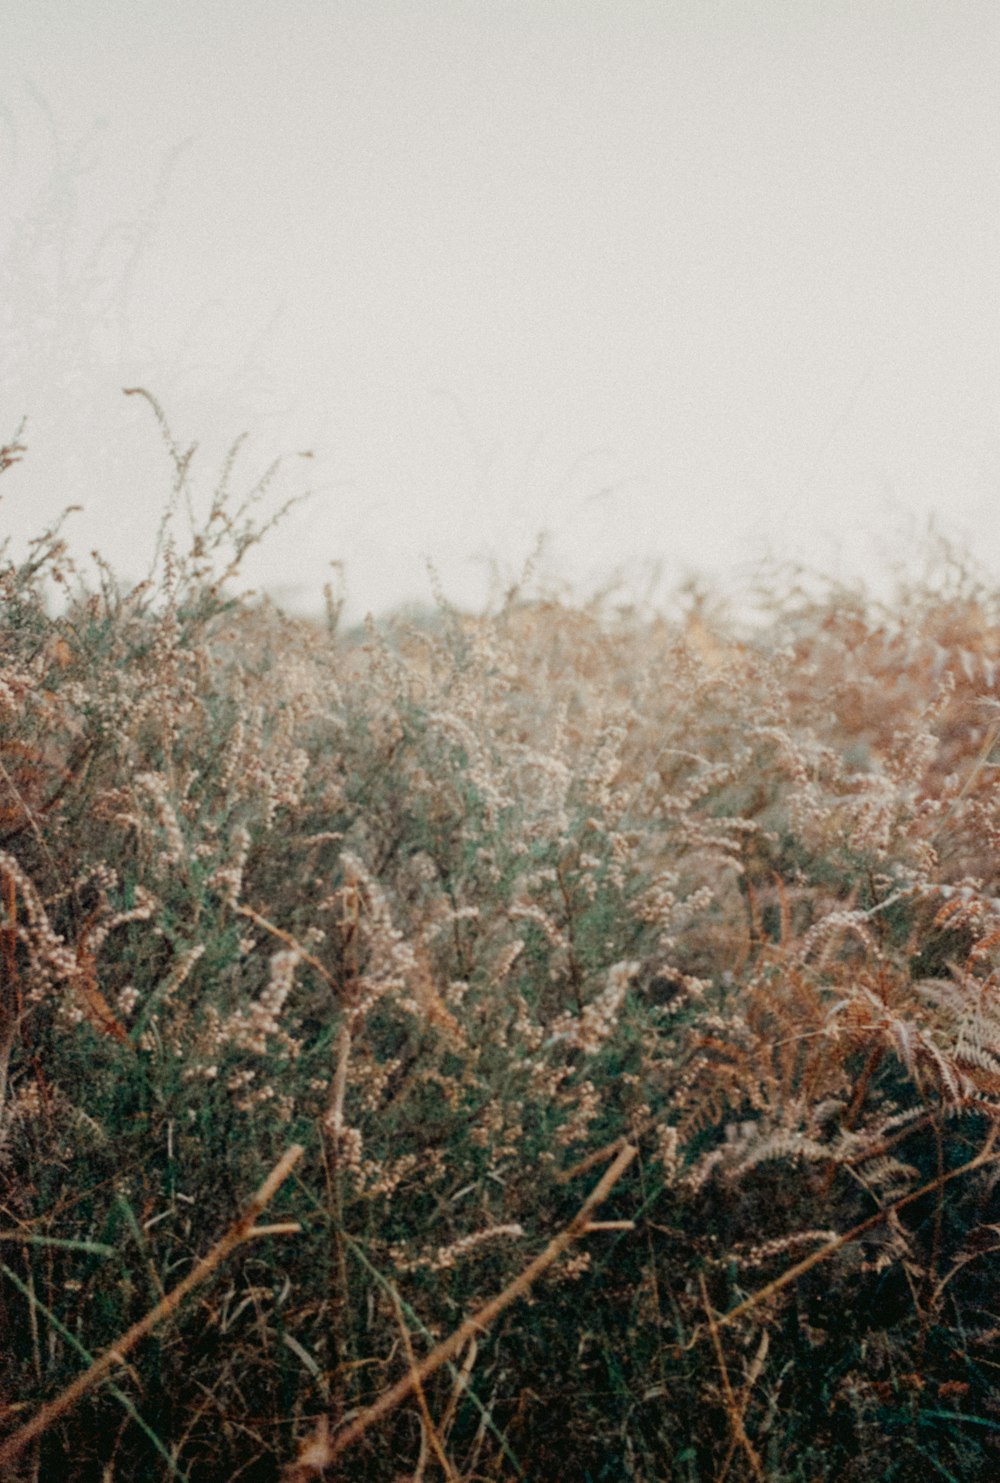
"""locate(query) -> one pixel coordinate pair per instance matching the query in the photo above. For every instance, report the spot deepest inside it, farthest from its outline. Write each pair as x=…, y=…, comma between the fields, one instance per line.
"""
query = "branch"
x=241, y=1230
x=318, y=1456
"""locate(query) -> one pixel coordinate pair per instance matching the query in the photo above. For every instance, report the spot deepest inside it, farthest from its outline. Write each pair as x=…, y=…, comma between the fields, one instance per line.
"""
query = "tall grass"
x=477, y=911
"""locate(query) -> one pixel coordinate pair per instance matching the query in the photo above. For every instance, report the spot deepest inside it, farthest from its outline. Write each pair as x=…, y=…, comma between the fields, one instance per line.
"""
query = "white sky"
x=676, y=282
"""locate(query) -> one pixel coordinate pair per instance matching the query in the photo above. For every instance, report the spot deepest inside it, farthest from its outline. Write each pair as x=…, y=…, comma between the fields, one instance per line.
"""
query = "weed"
x=481, y=914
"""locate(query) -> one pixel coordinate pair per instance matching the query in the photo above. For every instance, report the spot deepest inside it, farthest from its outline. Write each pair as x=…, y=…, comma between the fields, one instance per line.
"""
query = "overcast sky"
x=674, y=282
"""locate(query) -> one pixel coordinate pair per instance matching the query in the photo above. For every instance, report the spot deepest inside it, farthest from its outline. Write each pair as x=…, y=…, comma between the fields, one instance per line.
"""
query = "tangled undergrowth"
x=470, y=909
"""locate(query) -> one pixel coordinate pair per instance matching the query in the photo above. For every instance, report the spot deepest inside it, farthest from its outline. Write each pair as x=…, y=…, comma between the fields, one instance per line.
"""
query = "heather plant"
x=612, y=999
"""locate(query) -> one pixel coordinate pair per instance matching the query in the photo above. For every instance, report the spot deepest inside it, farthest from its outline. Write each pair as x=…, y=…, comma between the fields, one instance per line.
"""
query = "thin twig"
x=732, y=1409
x=459, y=1386
x=479, y=1321
x=331, y=1131
x=743, y=1401
x=598, y=1156
x=433, y=1435
x=241, y=1230
x=485, y=1316
x=799, y=1269
x=289, y=941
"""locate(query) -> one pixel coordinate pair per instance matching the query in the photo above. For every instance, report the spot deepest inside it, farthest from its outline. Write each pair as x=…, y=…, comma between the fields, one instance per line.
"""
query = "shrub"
x=464, y=908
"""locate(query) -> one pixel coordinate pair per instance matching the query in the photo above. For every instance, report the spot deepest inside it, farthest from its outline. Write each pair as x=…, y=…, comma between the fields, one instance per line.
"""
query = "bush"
x=464, y=908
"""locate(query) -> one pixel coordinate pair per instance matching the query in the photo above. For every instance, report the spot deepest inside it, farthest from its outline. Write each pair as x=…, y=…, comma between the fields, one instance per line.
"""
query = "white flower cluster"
x=154, y=785
x=589, y=1030
x=250, y=1028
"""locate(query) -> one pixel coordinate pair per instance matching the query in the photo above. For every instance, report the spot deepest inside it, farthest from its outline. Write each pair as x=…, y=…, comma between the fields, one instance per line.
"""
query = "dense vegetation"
x=471, y=908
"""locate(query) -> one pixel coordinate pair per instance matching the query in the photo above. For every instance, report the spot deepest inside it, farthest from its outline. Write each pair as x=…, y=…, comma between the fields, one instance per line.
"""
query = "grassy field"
x=562, y=1044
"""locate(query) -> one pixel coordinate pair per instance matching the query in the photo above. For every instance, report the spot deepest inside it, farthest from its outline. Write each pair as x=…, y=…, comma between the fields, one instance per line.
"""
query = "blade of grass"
x=241, y=1230
x=460, y=1377
x=91, y=1248
x=481, y=1320
x=74, y=1343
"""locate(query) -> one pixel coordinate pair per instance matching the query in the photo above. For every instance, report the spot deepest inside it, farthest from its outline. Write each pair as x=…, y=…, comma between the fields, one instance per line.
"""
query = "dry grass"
x=470, y=911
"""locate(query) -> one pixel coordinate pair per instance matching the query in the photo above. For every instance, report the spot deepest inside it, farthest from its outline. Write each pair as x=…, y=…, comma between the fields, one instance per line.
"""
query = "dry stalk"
x=980, y=762
x=601, y=1155
x=289, y=941
x=332, y=1128
x=11, y=1004
x=476, y=1324
x=598, y=1156
x=753, y=1375
x=461, y=1381
x=242, y=1229
x=799, y=1269
x=732, y=1409
x=433, y=1434
x=333, y=1118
